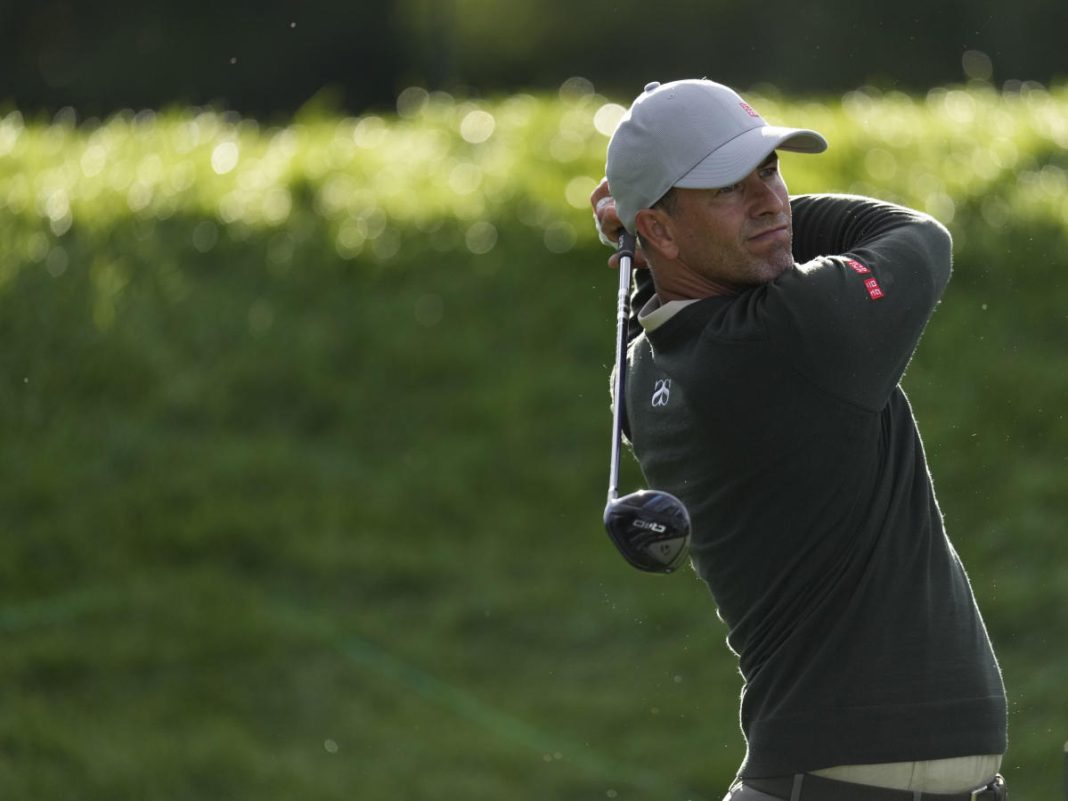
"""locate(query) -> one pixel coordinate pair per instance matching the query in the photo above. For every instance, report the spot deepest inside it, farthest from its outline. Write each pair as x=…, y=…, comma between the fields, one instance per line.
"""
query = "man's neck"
x=686, y=285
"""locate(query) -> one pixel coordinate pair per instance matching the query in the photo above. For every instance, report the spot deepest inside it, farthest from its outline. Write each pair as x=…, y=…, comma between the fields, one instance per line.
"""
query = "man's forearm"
x=827, y=225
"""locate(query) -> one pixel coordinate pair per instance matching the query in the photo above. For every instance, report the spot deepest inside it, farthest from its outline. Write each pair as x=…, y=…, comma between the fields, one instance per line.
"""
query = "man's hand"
x=609, y=226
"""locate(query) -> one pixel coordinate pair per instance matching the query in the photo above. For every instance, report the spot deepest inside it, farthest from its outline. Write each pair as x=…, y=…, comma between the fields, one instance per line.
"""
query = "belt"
x=806, y=787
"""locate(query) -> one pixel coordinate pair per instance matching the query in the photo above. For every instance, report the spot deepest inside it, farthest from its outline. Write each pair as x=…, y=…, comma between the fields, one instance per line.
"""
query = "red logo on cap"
x=748, y=109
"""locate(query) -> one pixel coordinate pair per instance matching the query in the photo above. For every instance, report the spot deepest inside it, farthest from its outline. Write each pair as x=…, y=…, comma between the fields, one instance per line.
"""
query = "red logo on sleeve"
x=874, y=290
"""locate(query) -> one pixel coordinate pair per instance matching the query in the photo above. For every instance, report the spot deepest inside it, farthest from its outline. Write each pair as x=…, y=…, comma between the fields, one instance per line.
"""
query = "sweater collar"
x=654, y=313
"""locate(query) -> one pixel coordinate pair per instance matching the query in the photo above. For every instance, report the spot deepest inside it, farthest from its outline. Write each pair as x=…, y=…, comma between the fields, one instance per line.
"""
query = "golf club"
x=650, y=528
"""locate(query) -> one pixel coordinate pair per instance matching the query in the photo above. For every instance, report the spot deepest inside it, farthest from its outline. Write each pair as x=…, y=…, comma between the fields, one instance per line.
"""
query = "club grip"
x=627, y=243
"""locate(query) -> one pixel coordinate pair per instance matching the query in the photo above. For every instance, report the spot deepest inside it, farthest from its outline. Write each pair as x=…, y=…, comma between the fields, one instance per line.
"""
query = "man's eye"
x=728, y=189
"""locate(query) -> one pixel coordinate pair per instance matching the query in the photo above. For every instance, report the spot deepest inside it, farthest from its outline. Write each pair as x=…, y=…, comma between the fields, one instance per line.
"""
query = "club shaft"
x=626, y=250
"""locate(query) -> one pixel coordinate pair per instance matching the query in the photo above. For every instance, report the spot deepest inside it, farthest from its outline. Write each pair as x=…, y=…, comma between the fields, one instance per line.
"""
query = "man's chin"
x=768, y=271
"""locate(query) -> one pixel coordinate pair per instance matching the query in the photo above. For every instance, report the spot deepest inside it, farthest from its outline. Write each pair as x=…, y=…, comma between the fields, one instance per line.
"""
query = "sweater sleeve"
x=851, y=313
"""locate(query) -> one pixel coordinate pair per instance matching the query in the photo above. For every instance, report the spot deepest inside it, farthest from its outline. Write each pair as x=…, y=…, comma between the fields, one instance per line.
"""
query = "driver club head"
x=650, y=528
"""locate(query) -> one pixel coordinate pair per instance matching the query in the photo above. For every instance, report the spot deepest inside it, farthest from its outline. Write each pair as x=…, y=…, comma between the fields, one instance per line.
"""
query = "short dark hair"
x=668, y=201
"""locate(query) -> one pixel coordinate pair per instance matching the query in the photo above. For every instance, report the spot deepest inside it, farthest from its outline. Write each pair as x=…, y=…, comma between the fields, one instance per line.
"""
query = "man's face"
x=739, y=235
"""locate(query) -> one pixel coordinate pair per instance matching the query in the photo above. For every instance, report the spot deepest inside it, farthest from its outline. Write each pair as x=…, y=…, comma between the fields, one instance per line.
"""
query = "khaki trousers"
x=931, y=776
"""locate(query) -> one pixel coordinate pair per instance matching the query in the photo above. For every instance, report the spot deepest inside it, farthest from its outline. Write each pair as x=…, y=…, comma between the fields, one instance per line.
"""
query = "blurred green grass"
x=305, y=445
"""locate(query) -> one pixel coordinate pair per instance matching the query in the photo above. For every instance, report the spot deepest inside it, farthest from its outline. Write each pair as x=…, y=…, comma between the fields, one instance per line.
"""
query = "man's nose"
x=763, y=197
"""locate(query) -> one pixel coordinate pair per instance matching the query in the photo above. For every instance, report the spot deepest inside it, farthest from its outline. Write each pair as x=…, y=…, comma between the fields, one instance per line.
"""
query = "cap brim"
x=739, y=157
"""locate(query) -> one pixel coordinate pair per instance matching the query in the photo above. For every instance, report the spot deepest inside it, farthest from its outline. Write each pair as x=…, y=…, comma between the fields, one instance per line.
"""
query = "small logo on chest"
x=662, y=392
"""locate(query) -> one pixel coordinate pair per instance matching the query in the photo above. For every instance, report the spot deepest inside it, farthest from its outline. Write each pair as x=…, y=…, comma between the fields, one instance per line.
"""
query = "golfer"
x=764, y=393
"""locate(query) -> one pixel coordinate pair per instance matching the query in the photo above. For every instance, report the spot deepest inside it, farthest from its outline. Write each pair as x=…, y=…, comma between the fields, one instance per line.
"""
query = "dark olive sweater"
x=776, y=416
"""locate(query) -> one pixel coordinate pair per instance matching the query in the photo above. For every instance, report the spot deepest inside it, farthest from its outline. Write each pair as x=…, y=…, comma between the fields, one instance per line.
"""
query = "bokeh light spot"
x=477, y=126
x=607, y=118
x=139, y=197
x=560, y=237
x=205, y=236
x=567, y=146
x=387, y=245
x=57, y=261
x=350, y=239
x=959, y=106
x=977, y=65
x=941, y=206
x=369, y=133
x=576, y=87
x=412, y=101
x=93, y=161
x=465, y=179
x=277, y=205
x=481, y=238
x=578, y=191
x=224, y=157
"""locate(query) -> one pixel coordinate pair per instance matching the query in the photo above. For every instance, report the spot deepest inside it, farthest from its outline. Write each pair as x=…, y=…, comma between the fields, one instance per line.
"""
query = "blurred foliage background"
x=304, y=382
x=268, y=57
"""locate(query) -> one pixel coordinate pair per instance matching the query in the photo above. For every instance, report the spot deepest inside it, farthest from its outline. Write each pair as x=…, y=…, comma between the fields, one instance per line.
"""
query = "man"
x=774, y=332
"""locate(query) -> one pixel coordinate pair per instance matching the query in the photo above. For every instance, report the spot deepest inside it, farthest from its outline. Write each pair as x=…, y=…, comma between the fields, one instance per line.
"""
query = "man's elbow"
x=938, y=249
x=941, y=253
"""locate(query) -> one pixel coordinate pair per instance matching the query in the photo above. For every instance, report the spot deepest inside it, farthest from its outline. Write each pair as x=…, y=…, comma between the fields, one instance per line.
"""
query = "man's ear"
x=657, y=232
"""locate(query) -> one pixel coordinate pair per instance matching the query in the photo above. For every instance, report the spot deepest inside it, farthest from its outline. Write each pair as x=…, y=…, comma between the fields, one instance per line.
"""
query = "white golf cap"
x=694, y=134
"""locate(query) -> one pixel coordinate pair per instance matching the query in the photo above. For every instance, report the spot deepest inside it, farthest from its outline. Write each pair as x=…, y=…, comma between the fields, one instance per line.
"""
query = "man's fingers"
x=638, y=262
x=605, y=217
x=600, y=193
x=609, y=226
